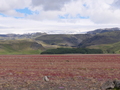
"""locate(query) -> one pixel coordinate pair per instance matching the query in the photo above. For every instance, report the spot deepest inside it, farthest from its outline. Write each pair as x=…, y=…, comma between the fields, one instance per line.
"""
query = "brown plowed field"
x=67, y=72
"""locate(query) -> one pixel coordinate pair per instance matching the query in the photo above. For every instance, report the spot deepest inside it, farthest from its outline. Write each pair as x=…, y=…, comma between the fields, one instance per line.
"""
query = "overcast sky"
x=58, y=16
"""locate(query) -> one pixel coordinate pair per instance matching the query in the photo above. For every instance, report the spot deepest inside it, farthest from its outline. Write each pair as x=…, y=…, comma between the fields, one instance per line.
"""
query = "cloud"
x=52, y=15
x=116, y=4
x=28, y=26
x=8, y=7
x=50, y=4
x=100, y=12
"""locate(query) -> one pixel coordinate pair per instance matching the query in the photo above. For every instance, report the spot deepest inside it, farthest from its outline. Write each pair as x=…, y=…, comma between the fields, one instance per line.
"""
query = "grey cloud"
x=50, y=4
x=116, y=4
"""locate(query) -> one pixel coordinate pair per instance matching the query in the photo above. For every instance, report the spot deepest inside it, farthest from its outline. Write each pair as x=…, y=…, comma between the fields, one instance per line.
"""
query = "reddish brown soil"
x=67, y=72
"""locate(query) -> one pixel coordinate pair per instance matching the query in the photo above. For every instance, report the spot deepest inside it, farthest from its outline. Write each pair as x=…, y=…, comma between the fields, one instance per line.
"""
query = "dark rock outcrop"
x=36, y=46
x=117, y=83
x=110, y=85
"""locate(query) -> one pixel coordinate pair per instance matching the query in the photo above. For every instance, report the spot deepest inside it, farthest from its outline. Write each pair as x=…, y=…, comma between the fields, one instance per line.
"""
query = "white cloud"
x=8, y=7
x=98, y=11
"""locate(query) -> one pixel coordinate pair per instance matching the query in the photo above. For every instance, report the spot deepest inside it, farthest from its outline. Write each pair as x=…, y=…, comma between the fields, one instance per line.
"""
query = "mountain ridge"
x=102, y=38
x=98, y=31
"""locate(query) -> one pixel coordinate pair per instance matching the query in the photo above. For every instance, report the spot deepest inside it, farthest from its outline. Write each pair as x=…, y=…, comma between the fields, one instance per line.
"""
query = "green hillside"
x=20, y=47
x=107, y=48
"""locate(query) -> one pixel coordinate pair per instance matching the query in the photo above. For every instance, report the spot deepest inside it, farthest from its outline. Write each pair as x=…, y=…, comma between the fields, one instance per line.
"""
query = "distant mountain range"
x=107, y=40
x=20, y=36
x=97, y=31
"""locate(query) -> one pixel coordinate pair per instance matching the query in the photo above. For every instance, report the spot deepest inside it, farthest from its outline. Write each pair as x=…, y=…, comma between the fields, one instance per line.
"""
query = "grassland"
x=108, y=48
x=19, y=47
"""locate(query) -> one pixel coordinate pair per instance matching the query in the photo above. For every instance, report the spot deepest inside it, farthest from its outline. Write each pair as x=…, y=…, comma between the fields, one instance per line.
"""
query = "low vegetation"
x=65, y=72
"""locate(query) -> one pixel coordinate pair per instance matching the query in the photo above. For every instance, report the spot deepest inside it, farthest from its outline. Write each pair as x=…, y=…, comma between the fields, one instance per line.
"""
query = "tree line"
x=72, y=51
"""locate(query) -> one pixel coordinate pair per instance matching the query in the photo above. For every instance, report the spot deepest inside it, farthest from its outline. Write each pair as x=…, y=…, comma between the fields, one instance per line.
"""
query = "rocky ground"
x=54, y=83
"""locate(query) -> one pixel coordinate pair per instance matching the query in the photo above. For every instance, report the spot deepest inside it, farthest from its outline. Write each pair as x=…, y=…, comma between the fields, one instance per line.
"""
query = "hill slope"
x=102, y=38
x=63, y=39
x=20, y=47
x=107, y=48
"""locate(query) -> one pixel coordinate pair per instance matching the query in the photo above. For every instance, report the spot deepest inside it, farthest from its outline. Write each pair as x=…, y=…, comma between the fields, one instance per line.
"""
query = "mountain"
x=107, y=40
x=63, y=39
x=29, y=43
x=98, y=31
x=102, y=38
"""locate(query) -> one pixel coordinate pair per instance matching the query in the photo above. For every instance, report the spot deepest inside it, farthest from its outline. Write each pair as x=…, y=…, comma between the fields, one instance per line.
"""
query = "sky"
x=58, y=16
